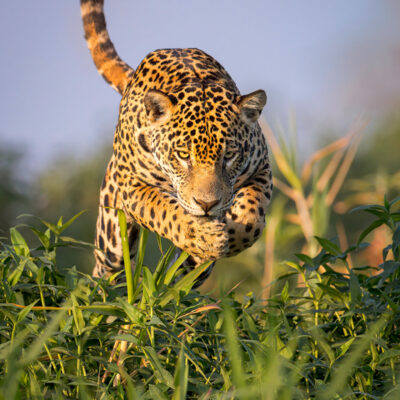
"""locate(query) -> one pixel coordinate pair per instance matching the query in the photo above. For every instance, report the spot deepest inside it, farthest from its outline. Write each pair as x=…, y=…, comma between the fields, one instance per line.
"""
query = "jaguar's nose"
x=206, y=205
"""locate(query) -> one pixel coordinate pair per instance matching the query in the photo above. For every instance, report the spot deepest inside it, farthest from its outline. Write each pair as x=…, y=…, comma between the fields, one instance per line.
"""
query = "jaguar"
x=189, y=162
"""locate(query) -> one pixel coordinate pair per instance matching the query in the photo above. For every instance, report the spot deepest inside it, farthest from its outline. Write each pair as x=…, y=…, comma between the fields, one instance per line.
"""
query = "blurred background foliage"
x=312, y=197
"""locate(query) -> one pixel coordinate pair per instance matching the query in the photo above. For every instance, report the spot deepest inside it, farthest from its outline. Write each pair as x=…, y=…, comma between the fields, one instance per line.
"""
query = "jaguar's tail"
x=115, y=71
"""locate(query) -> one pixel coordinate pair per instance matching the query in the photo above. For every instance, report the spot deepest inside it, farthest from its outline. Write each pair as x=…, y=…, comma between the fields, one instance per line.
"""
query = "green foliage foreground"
x=333, y=335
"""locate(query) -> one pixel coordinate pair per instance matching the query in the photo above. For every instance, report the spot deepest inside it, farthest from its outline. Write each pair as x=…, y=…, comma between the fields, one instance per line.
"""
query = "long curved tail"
x=115, y=71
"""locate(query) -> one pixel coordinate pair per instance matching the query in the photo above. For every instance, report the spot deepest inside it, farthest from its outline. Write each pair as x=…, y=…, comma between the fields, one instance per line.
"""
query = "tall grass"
x=64, y=334
x=305, y=193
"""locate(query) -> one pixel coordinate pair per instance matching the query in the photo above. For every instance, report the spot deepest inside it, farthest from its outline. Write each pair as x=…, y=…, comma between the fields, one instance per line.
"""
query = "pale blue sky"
x=326, y=60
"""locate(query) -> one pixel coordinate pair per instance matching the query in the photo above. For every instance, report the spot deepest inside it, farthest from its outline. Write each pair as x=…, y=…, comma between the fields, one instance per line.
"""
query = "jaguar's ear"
x=251, y=105
x=158, y=105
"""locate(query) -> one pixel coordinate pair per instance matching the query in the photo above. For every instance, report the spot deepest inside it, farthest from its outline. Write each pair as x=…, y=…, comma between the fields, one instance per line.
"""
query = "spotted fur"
x=190, y=161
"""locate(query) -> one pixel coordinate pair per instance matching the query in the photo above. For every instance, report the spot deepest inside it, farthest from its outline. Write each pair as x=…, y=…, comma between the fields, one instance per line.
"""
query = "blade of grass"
x=20, y=246
x=185, y=283
x=234, y=351
x=172, y=269
x=322, y=153
x=280, y=159
x=343, y=170
x=161, y=268
x=144, y=233
x=181, y=376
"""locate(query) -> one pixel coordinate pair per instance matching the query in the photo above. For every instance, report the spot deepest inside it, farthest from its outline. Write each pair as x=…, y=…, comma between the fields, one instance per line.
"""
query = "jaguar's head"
x=201, y=140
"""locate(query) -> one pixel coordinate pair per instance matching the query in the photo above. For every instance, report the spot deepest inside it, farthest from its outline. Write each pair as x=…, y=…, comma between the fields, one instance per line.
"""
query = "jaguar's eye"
x=183, y=155
x=229, y=155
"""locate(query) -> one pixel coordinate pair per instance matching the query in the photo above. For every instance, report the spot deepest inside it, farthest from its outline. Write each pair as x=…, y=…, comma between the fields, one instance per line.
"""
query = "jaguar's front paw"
x=209, y=239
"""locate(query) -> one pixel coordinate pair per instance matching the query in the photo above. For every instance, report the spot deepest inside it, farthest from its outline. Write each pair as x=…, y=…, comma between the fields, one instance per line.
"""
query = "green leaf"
x=156, y=393
x=390, y=354
x=285, y=292
x=77, y=313
x=181, y=376
x=130, y=281
x=305, y=258
x=386, y=203
x=19, y=243
x=394, y=201
x=173, y=268
x=185, y=283
x=13, y=278
x=234, y=350
x=144, y=233
x=36, y=347
x=159, y=243
x=148, y=283
x=160, y=372
x=161, y=268
x=35, y=390
x=329, y=246
x=370, y=228
x=355, y=289
x=295, y=266
x=63, y=227
x=396, y=240
x=42, y=237
x=155, y=321
x=250, y=326
x=22, y=314
x=32, y=267
x=131, y=311
x=53, y=228
x=73, y=241
x=331, y=291
x=127, y=338
x=395, y=216
x=369, y=207
x=342, y=350
x=104, y=309
x=323, y=344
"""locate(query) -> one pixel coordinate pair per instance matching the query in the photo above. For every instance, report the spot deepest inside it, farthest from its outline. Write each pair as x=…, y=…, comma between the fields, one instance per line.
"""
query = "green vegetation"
x=332, y=335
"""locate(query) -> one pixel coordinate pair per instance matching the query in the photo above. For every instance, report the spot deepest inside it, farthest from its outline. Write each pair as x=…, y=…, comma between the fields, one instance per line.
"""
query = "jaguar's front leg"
x=245, y=220
x=108, y=253
x=204, y=238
